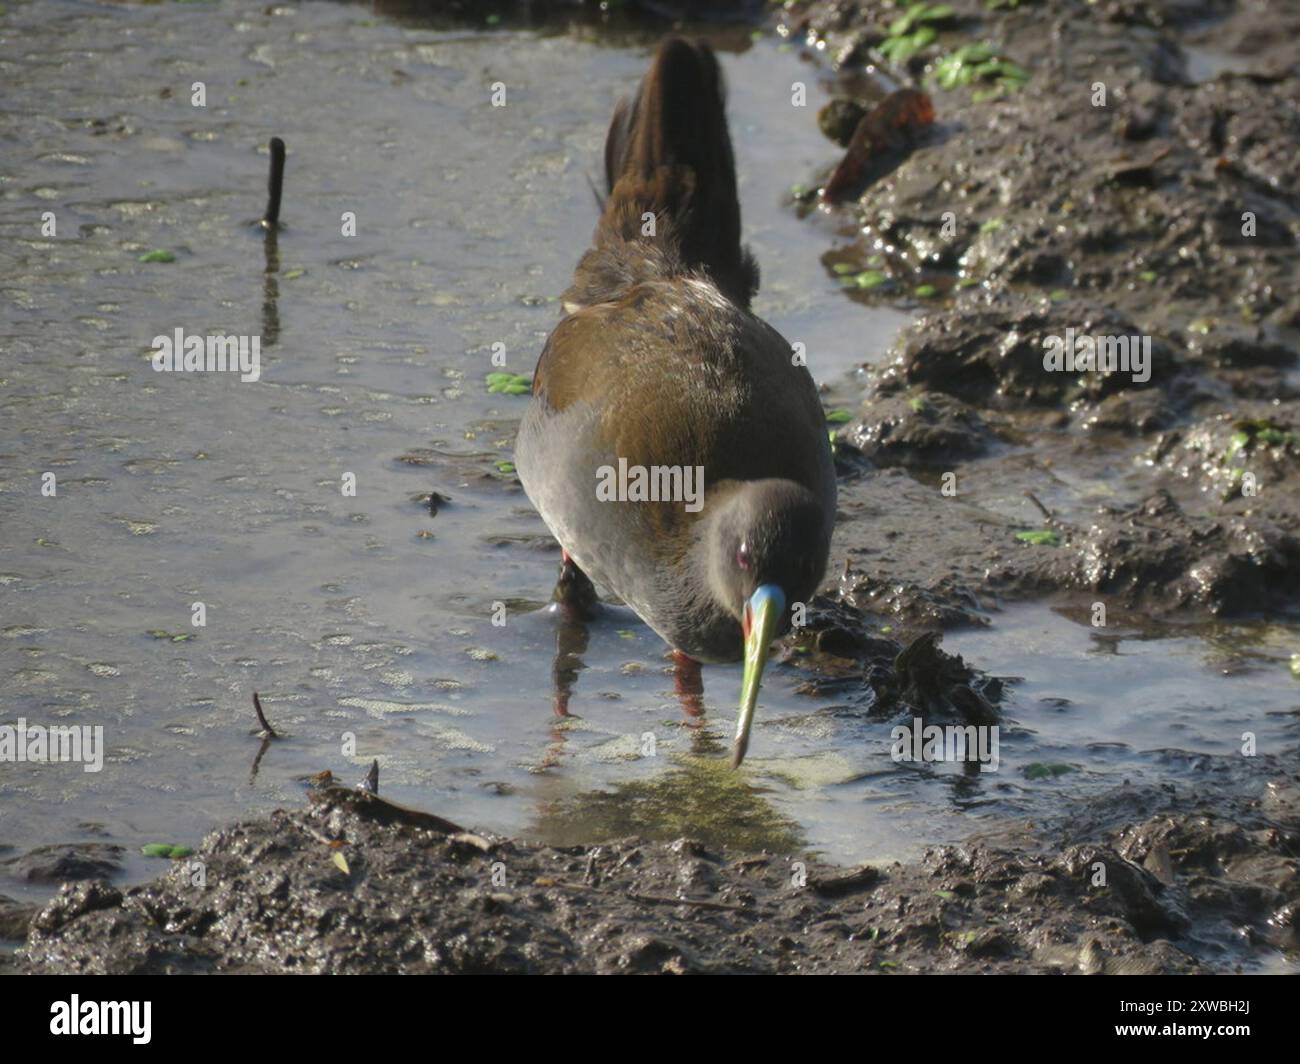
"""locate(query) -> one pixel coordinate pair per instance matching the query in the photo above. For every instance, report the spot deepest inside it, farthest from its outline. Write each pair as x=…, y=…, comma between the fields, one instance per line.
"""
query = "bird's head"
x=768, y=543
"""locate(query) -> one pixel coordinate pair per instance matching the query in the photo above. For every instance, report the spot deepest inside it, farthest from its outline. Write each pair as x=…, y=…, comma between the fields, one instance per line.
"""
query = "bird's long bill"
x=762, y=614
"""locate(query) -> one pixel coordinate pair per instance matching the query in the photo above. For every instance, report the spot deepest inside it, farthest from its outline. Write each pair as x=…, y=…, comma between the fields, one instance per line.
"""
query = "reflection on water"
x=699, y=797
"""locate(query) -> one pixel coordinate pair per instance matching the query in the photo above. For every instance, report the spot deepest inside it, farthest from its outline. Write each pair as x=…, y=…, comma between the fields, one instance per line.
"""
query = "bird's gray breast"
x=561, y=459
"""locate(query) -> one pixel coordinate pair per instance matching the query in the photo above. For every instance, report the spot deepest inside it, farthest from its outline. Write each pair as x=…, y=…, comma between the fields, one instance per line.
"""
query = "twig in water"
x=1041, y=508
x=271, y=733
x=271, y=219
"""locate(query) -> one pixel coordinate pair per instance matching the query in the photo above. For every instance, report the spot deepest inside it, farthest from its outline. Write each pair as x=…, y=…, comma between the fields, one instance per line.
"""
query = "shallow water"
x=364, y=616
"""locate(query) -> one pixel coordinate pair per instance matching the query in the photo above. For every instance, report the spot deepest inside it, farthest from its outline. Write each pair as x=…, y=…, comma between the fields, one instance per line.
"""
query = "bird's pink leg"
x=688, y=683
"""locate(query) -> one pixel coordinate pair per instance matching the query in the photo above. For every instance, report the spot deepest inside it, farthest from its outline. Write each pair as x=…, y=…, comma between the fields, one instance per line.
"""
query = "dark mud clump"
x=1141, y=880
x=1120, y=172
x=62, y=862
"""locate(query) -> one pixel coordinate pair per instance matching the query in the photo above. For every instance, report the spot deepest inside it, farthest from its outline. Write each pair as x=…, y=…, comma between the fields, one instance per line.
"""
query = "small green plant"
x=165, y=849
x=509, y=383
x=918, y=15
x=1040, y=537
x=898, y=50
x=1261, y=432
x=914, y=30
x=869, y=279
x=972, y=63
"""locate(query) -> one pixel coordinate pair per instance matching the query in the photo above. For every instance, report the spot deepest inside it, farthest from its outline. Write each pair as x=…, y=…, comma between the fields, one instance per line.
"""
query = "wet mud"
x=1125, y=192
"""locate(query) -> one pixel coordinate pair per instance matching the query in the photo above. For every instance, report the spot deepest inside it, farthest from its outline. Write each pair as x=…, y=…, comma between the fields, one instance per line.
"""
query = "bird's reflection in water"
x=575, y=604
x=697, y=797
x=571, y=641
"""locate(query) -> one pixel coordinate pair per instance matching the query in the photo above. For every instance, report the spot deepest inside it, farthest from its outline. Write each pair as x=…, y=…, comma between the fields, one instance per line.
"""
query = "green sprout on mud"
x=158, y=255
x=926, y=291
x=1261, y=432
x=867, y=279
x=1039, y=537
x=898, y=50
x=972, y=63
x=509, y=383
x=838, y=417
x=914, y=30
x=919, y=15
x=505, y=467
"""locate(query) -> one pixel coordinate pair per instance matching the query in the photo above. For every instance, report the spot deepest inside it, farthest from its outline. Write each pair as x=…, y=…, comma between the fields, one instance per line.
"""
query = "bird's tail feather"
x=668, y=154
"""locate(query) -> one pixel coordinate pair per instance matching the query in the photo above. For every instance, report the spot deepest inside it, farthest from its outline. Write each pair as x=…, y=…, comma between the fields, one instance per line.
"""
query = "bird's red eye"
x=742, y=556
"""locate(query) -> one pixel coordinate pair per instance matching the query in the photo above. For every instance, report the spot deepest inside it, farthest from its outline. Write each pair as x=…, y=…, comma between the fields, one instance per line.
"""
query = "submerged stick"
x=1038, y=503
x=271, y=733
x=271, y=219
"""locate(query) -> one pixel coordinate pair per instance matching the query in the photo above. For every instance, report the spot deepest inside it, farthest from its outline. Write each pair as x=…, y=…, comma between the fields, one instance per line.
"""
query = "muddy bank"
x=1142, y=880
x=1102, y=171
